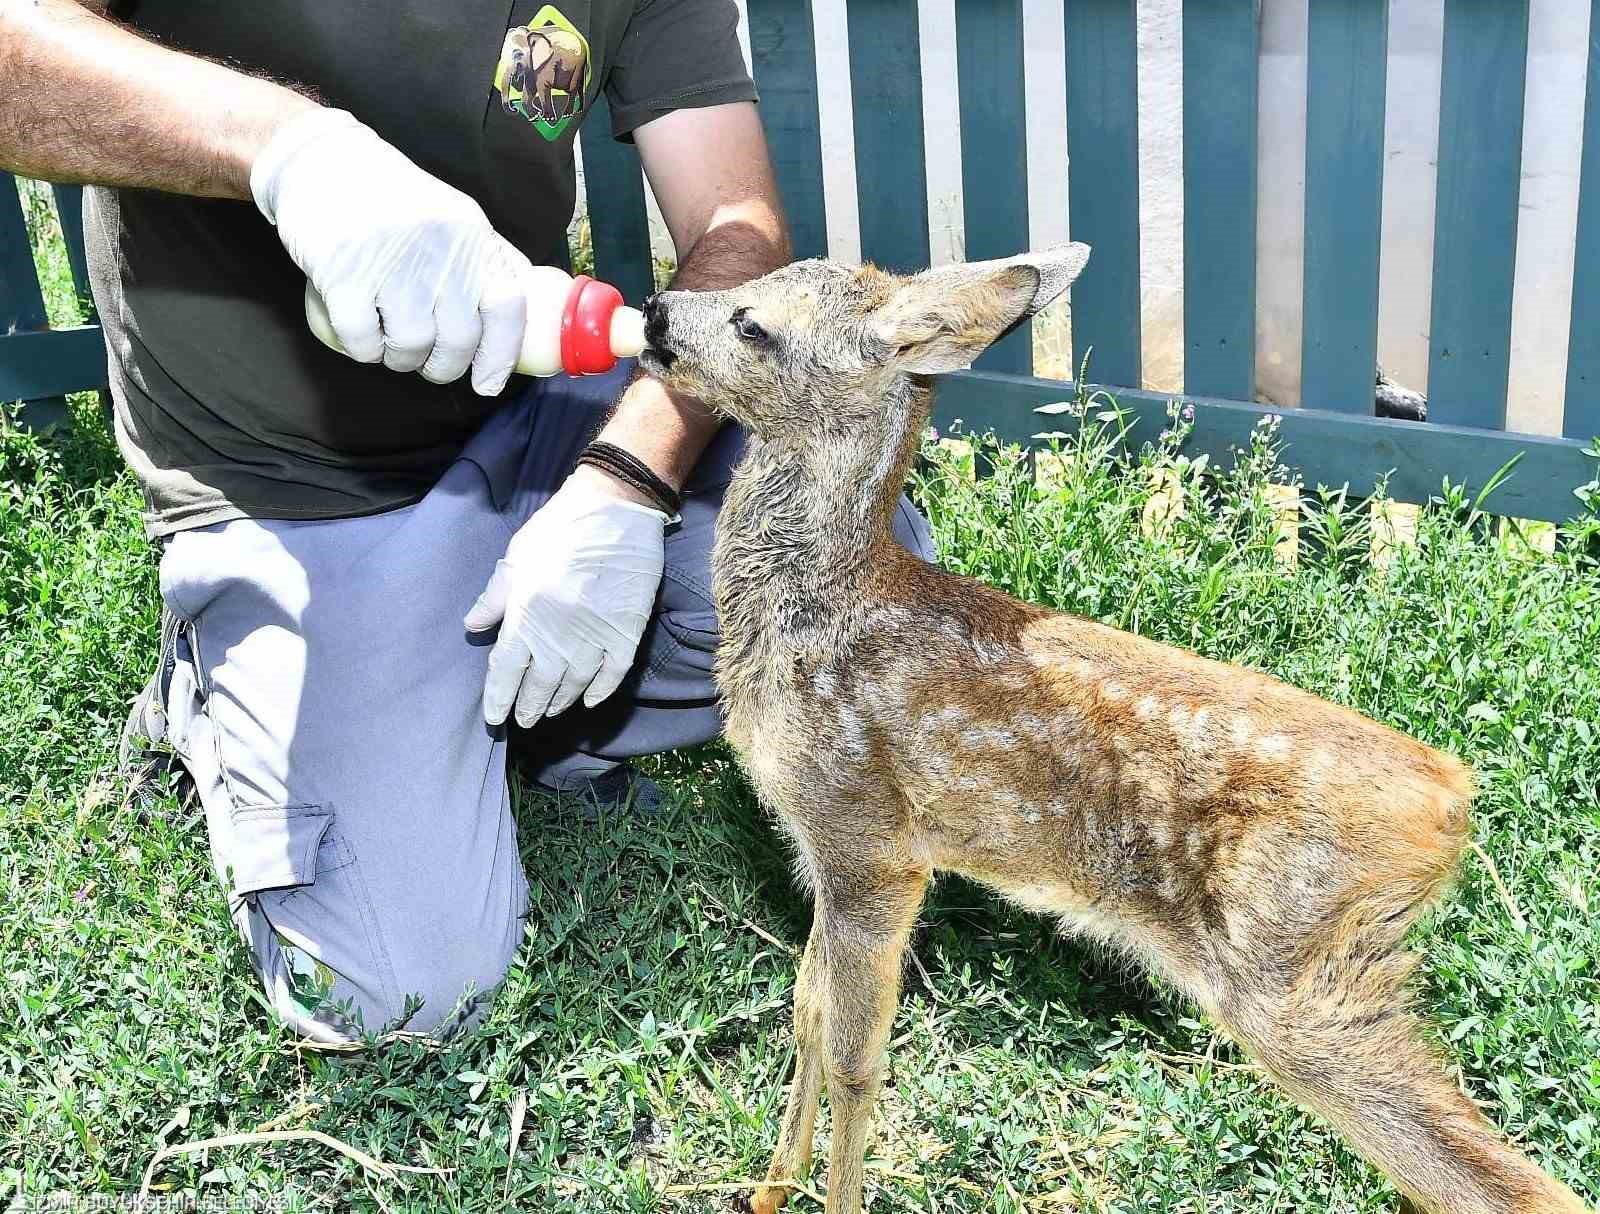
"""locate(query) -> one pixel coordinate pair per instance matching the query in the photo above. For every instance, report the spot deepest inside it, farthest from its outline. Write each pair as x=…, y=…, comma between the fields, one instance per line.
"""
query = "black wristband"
x=633, y=471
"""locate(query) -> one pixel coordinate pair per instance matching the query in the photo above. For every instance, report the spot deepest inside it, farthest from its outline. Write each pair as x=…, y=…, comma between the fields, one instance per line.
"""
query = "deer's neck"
x=799, y=526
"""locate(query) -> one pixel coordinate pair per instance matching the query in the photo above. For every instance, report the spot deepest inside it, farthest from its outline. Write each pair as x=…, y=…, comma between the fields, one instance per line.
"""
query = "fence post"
x=619, y=223
x=783, y=52
x=1346, y=70
x=1103, y=185
x=994, y=150
x=69, y=207
x=1220, y=62
x=21, y=302
x=1581, y=417
x=891, y=155
x=1475, y=218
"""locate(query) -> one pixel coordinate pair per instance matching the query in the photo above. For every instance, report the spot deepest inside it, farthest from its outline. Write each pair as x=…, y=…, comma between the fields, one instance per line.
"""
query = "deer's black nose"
x=655, y=320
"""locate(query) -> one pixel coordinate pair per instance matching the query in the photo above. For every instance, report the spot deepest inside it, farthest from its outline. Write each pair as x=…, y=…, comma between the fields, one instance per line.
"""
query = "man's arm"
x=711, y=175
x=83, y=99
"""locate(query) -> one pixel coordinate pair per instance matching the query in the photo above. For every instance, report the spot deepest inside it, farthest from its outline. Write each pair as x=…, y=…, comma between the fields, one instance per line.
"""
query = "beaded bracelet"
x=631, y=470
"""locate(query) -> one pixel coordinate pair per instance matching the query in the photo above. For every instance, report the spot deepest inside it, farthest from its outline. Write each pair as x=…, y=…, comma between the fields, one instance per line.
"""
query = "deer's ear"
x=941, y=320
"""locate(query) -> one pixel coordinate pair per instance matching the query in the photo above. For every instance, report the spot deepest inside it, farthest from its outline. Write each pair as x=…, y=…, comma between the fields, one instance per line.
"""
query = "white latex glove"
x=410, y=268
x=572, y=597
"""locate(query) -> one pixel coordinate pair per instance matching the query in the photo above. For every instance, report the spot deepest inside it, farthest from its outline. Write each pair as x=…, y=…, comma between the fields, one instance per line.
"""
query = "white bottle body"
x=547, y=289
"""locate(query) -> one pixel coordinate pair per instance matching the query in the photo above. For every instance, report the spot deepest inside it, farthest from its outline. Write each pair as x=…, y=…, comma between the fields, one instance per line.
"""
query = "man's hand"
x=410, y=268
x=572, y=597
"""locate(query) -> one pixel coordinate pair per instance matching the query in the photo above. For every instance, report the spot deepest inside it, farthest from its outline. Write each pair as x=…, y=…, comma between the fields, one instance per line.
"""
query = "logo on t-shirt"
x=543, y=73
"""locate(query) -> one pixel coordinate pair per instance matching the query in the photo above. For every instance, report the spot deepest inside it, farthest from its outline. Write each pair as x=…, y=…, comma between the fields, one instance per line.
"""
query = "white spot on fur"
x=825, y=683
x=1194, y=842
x=1238, y=924
x=982, y=737
x=1159, y=835
x=1146, y=707
x=1113, y=690
x=852, y=732
x=1035, y=726
x=1242, y=730
x=1318, y=766
x=1274, y=746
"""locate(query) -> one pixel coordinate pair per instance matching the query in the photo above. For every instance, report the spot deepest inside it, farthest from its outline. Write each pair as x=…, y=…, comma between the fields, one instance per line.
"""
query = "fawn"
x=1264, y=850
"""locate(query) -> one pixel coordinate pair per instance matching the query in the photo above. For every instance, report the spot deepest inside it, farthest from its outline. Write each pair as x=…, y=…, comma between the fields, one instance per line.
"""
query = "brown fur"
x=1263, y=849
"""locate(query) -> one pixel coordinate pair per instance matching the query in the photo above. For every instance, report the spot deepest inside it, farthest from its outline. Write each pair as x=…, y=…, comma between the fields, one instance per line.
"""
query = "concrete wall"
x=1552, y=138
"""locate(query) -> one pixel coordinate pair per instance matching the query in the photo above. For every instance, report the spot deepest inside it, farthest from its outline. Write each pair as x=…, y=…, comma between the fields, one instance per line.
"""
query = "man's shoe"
x=144, y=757
x=621, y=790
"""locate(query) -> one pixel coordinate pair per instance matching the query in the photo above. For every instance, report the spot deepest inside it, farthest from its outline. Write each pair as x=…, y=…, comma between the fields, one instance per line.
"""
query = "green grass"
x=645, y=1030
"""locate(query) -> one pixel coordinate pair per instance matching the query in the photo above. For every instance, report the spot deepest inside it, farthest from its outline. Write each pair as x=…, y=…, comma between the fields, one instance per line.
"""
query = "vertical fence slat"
x=994, y=149
x=891, y=169
x=618, y=220
x=69, y=207
x=783, y=51
x=21, y=304
x=1103, y=185
x=1220, y=83
x=1582, y=416
x=1348, y=46
x=1475, y=219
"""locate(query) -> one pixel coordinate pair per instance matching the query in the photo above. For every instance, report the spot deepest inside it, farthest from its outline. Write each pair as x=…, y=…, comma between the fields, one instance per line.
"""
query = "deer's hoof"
x=769, y=1199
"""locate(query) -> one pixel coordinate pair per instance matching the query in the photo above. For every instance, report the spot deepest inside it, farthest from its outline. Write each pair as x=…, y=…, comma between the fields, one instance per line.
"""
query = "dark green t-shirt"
x=227, y=406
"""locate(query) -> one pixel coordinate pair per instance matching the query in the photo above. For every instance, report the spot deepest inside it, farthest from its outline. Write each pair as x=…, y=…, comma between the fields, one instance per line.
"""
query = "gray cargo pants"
x=326, y=700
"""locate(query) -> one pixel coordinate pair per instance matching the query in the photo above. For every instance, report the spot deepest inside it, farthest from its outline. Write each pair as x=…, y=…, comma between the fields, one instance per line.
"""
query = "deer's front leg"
x=792, y=1158
x=864, y=932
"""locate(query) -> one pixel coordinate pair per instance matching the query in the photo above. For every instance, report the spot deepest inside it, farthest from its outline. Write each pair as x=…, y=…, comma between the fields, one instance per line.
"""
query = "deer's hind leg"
x=1342, y=1041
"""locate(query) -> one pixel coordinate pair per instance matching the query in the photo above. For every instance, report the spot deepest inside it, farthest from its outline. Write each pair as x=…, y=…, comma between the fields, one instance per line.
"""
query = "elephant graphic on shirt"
x=543, y=70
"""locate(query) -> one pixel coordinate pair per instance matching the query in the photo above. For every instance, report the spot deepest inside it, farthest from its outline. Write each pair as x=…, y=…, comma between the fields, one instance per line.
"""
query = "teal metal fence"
x=39, y=365
x=1336, y=440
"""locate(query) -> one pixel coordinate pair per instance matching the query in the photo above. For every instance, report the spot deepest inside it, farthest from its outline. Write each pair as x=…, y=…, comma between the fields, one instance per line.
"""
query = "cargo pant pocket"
x=280, y=846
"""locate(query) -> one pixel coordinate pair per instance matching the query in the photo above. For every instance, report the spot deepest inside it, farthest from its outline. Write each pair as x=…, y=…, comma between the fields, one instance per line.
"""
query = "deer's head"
x=819, y=344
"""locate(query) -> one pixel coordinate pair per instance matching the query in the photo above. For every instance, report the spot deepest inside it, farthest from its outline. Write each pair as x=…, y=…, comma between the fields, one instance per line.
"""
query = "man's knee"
x=437, y=992
x=338, y=967
x=443, y=991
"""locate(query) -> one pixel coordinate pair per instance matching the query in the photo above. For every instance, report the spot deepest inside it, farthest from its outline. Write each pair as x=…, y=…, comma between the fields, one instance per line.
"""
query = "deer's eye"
x=748, y=330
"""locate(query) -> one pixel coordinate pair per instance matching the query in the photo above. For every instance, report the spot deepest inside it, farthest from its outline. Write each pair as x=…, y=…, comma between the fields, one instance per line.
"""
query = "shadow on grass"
x=713, y=835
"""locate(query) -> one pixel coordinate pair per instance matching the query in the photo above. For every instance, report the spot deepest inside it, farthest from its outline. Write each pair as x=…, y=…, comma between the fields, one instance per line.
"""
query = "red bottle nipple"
x=586, y=327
